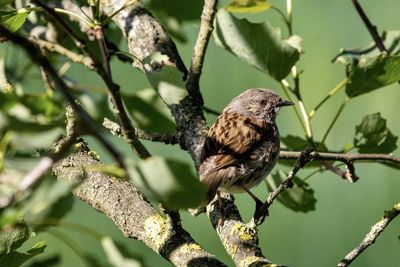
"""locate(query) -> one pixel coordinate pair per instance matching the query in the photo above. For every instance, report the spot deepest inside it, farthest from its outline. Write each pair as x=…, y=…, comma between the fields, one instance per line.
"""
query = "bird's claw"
x=260, y=213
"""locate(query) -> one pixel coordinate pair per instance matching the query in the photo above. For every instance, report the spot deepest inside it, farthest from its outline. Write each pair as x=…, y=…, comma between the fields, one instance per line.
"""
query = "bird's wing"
x=230, y=138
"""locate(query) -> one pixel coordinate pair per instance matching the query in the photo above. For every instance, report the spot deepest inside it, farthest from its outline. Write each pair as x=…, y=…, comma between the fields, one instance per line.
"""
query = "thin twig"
x=211, y=111
x=333, y=92
x=199, y=50
x=371, y=28
x=342, y=156
x=371, y=236
x=334, y=121
x=54, y=47
x=303, y=158
x=79, y=42
x=119, y=109
x=166, y=138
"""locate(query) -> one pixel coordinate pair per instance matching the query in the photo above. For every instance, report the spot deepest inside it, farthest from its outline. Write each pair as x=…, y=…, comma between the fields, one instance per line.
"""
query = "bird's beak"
x=284, y=103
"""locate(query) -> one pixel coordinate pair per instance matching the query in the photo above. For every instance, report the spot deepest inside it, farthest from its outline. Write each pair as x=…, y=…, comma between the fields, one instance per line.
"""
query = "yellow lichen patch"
x=397, y=206
x=187, y=248
x=249, y=260
x=231, y=249
x=157, y=230
x=245, y=233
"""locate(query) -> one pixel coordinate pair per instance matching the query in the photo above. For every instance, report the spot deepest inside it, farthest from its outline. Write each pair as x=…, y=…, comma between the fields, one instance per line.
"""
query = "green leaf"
x=248, y=6
x=258, y=44
x=13, y=236
x=166, y=80
x=170, y=182
x=13, y=21
x=373, y=136
x=51, y=200
x=16, y=259
x=50, y=261
x=373, y=73
x=149, y=112
x=115, y=256
x=300, y=198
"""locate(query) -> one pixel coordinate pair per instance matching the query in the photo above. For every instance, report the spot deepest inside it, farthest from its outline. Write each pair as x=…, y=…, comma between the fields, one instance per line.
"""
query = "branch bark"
x=371, y=236
x=130, y=211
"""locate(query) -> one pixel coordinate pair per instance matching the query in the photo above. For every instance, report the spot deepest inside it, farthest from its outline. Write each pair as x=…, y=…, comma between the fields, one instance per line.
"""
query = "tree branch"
x=371, y=28
x=199, y=50
x=343, y=157
x=239, y=239
x=130, y=211
x=104, y=70
x=54, y=47
x=371, y=236
x=166, y=138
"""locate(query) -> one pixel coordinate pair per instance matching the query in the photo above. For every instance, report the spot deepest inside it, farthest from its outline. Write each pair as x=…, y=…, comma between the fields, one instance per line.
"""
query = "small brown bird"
x=242, y=146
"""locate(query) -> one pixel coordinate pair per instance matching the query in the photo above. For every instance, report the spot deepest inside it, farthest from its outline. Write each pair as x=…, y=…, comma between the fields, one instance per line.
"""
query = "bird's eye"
x=262, y=102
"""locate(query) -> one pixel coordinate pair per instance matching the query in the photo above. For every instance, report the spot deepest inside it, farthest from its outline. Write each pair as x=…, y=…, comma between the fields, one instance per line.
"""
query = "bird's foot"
x=261, y=212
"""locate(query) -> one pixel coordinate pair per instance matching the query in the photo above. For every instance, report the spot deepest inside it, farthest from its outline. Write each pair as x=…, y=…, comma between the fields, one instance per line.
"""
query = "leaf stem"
x=286, y=88
x=306, y=120
x=333, y=92
x=335, y=119
x=63, y=11
x=289, y=16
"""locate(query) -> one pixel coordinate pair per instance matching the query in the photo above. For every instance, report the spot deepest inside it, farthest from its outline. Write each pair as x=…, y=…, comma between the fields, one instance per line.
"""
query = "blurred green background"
x=344, y=212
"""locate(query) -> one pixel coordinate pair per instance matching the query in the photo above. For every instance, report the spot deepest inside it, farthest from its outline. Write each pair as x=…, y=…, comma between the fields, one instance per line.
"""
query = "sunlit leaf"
x=170, y=182
x=13, y=21
x=149, y=112
x=166, y=80
x=13, y=236
x=300, y=198
x=116, y=257
x=51, y=200
x=373, y=136
x=16, y=259
x=248, y=6
x=373, y=73
x=258, y=44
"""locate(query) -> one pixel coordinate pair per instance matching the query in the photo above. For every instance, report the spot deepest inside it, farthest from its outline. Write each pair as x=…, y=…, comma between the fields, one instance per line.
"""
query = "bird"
x=243, y=144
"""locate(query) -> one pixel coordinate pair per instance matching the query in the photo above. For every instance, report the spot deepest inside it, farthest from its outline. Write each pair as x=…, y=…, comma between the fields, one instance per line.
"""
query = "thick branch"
x=371, y=236
x=146, y=36
x=239, y=239
x=130, y=211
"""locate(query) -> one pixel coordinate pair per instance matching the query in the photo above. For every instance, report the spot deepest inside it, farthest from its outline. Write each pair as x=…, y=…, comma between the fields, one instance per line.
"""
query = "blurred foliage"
x=170, y=182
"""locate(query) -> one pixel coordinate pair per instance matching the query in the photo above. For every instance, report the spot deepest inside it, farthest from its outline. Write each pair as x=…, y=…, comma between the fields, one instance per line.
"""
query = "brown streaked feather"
x=227, y=145
x=222, y=142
